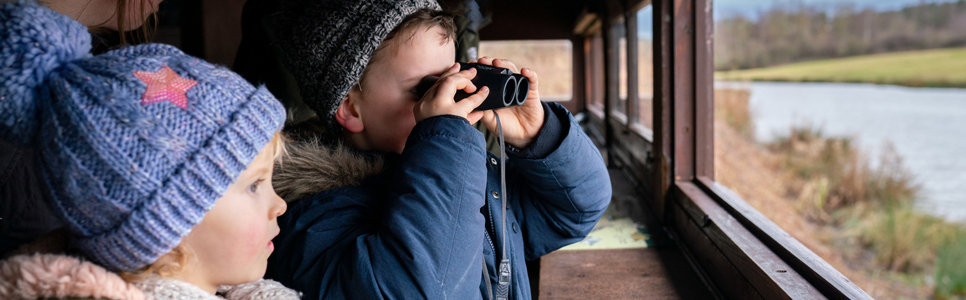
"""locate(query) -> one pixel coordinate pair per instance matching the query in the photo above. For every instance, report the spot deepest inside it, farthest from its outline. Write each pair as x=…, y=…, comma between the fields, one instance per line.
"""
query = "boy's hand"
x=438, y=100
x=521, y=124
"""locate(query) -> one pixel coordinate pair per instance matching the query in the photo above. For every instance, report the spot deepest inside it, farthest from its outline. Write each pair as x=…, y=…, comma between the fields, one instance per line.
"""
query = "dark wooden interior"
x=709, y=243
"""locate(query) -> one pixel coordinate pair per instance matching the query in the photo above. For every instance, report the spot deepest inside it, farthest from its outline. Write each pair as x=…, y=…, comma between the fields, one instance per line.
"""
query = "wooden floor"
x=659, y=271
x=644, y=273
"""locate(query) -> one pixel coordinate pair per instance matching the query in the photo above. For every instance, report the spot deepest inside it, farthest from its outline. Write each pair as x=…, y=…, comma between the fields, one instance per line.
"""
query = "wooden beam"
x=770, y=276
x=704, y=89
x=585, y=23
x=813, y=268
x=579, y=100
x=611, y=80
x=683, y=107
x=663, y=62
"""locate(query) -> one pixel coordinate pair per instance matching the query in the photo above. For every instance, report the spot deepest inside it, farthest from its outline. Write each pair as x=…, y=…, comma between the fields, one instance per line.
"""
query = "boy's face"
x=232, y=243
x=387, y=97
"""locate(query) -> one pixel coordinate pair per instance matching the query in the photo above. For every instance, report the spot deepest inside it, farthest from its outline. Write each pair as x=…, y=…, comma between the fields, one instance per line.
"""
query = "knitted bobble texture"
x=34, y=41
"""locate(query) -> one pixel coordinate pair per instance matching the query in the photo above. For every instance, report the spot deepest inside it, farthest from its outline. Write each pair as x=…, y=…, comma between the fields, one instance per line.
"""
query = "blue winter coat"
x=418, y=229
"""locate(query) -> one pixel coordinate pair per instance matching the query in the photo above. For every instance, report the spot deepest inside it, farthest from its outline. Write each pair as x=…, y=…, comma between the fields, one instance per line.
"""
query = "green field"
x=925, y=68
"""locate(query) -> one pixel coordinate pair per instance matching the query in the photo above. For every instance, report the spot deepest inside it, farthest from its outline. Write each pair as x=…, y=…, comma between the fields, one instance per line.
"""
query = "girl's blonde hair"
x=177, y=259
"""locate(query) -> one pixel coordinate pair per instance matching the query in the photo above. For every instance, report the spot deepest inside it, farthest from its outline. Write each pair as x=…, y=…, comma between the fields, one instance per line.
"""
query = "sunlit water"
x=927, y=126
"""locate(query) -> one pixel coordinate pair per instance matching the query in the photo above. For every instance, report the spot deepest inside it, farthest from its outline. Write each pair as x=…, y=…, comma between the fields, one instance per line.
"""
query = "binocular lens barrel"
x=523, y=89
x=506, y=88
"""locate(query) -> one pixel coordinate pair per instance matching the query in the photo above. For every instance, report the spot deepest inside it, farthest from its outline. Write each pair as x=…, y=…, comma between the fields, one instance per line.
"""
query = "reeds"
x=870, y=210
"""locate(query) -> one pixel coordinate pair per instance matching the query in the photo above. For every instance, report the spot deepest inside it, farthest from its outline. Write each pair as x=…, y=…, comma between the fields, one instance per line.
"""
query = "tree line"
x=803, y=32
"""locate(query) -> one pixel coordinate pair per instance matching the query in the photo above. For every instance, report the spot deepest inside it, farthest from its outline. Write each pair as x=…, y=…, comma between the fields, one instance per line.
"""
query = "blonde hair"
x=169, y=264
x=177, y=259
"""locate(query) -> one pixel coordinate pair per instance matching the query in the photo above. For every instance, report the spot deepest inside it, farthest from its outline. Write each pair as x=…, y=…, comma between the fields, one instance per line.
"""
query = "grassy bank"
x=823, y=191
x=925, y=68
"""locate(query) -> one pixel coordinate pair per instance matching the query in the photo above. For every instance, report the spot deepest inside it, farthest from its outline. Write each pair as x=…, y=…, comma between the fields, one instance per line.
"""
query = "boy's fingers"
x=506, y=64
x=455, y=68
x=474, y=117
x=532, y=76
x=473, y=101
x=457, y=81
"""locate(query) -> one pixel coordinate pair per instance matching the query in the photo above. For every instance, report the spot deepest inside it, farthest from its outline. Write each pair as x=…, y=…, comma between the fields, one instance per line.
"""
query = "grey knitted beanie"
x=328, y=43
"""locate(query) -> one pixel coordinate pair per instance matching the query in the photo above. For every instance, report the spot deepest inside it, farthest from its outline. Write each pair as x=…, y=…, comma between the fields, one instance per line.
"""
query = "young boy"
x=357, y=63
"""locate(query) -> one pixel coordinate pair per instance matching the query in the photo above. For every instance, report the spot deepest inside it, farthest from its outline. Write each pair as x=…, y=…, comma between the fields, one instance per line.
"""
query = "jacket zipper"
x=492, y=230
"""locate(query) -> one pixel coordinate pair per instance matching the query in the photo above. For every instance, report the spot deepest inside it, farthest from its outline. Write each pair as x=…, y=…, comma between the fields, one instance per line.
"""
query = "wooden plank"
x=813, y=268
x=644, y=273
x=529, y=20
x=634, y=152
x=683, y=90
x=611, y=80
x=584, y=21
x=578, y=100
x=704, y=88
x=663, y=144
x=716, y=268
x=768, y=273
x=633, y=105
x=635, y=5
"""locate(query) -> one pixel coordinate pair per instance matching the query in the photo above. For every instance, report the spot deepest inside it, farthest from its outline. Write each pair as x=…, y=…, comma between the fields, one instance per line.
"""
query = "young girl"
x=159, y=164
x=24, y=214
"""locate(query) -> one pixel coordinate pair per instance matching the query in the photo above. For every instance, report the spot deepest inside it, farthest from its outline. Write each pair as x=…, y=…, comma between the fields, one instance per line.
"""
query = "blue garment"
x=417, y=231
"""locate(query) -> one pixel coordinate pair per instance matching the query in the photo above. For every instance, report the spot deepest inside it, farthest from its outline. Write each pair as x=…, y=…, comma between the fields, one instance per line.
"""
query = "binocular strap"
x=503, y=283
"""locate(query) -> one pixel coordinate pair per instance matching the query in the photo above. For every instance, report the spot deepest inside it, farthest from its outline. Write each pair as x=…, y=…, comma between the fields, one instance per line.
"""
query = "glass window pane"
x=621, y=31
x=595, y=71
x=551, y=59
x=645, y=68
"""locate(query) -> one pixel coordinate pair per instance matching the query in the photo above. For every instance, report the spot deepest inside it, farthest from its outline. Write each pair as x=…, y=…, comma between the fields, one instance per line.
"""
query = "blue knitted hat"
x=136, y=144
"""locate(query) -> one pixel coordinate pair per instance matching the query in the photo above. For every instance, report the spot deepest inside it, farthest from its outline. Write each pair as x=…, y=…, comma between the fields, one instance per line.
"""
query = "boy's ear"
x=348, y=113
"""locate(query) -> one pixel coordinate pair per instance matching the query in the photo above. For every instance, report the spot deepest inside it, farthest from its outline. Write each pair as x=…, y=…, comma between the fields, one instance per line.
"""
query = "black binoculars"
x=506, y=88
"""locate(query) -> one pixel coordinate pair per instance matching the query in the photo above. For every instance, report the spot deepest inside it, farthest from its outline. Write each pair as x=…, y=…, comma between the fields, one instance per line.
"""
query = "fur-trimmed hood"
x=311, y=166
x=42, y=276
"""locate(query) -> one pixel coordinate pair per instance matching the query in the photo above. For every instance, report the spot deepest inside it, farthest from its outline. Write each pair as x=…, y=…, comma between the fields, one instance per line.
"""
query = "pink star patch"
x=165, y=85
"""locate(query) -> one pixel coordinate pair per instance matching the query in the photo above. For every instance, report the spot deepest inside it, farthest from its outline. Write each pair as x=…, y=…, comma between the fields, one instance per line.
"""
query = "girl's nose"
x=278, y=206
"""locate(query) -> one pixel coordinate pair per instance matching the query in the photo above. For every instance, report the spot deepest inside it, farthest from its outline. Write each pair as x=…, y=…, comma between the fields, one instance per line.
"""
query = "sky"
x=751, y=8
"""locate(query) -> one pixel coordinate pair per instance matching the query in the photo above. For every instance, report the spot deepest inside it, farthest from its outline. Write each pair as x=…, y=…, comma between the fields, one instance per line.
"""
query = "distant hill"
x=923, y=68
x=806, y=31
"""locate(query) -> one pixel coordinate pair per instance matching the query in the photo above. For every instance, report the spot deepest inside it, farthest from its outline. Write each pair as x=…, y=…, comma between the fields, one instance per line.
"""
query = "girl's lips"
x=270, y=247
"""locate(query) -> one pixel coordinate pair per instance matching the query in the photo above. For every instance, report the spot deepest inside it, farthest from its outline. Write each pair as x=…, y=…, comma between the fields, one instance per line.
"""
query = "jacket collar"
x=312, y=166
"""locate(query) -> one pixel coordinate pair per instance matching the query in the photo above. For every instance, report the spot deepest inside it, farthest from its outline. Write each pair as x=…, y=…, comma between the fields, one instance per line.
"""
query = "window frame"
x=737, y=251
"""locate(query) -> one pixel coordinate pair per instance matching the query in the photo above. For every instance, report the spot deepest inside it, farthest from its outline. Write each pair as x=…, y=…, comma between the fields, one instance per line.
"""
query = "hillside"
x=923, y=68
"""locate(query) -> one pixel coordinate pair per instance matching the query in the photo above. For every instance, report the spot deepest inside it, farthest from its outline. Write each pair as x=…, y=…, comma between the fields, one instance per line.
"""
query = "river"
x=927, y=126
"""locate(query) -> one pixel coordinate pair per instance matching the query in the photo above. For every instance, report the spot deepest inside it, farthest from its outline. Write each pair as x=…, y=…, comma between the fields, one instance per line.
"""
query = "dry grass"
x=823, y=192
x=731, y=107
x=552, y=60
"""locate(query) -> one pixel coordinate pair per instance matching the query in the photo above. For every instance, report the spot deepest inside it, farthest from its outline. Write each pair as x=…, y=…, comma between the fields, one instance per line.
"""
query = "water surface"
x=927, y=126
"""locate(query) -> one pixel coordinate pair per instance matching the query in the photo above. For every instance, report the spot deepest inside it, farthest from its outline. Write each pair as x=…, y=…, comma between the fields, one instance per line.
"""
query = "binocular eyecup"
x=506, y=88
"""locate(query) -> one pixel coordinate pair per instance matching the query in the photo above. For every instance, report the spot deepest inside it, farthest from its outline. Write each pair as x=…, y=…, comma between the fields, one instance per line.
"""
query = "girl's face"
x=232, y=243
